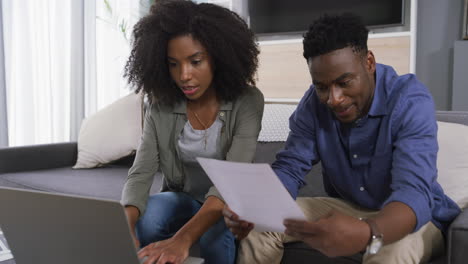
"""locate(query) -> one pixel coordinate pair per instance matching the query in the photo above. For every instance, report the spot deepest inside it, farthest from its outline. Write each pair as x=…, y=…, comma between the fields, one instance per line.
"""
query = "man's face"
x=344, y=81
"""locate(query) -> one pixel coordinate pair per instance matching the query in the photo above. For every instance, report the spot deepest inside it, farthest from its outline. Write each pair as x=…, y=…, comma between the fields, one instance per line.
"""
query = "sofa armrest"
x=36, y=157
x=458, y=239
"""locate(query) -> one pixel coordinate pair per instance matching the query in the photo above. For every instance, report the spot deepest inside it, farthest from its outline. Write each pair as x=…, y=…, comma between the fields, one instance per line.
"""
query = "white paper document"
x=254, y=192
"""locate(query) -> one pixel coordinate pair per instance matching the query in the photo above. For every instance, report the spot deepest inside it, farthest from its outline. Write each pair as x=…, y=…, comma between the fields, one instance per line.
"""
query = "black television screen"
x=281, y=16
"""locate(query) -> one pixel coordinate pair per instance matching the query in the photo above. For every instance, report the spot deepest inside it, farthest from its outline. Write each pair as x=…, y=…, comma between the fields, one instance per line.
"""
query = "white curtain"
x=37, y=69
x=3, y=108
x=114, y=24
x=64, y=61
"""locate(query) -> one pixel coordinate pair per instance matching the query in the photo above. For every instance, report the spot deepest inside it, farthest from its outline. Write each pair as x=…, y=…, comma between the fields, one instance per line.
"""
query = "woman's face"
x=190, y=66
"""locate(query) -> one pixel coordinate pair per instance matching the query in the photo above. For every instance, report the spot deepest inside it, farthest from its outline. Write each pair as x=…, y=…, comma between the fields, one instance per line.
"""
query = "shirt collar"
x=379, y=102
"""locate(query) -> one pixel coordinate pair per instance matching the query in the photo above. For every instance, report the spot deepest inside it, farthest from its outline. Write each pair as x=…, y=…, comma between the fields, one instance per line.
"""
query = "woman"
x=196, y=64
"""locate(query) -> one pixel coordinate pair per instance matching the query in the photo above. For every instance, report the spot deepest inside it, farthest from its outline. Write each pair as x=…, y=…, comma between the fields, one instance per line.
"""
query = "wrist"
x=184, y=237
x=366, y=235
x=132, y=213
x=376, y=237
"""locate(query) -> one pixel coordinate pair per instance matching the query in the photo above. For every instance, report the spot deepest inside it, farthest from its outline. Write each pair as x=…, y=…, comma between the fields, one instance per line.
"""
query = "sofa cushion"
x=111, y=133
x=458, y=239
x=105, y=182
x=452, y=161
x=266, y=153
x=37, y=157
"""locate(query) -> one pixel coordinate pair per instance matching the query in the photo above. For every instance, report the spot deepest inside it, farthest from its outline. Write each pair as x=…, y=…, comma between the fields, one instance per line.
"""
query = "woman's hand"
x=173, y=250
x=238, y=227
x=135, y=240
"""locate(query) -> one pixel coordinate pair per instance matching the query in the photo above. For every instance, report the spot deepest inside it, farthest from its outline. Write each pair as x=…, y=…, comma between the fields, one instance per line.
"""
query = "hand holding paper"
x=254, y=192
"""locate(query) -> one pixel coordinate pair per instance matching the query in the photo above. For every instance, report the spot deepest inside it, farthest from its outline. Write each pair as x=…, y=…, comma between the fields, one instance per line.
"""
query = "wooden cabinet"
x=283, y=75
x=283, y=71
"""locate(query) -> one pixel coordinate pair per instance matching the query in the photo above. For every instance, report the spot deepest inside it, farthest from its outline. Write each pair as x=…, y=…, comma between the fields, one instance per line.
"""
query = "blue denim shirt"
x=388, y=155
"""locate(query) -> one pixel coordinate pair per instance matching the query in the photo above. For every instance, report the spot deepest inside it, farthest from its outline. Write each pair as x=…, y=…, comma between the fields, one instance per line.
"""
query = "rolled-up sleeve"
x=414, y=158
x=141, y=174
x=300, y=152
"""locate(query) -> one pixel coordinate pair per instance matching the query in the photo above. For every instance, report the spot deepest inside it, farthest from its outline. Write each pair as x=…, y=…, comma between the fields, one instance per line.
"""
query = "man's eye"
x=344, y=84
x=321, y=88
x=196, y=62
x=172, y=64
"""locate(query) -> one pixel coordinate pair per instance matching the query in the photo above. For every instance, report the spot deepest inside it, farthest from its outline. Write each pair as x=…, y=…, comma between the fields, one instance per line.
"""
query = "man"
x=375, y=134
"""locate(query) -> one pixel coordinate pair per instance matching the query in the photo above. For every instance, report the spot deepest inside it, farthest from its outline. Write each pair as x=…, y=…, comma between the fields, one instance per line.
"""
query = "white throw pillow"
x=111, y=133
x=452, y=161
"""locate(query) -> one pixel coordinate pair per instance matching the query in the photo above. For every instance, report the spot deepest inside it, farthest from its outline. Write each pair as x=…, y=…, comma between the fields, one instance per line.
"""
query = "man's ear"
x=370, y=62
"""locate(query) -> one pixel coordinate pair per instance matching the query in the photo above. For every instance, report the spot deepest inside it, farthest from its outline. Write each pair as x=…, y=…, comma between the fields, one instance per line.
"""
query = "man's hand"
x=334, y=235
x=171, y=250
x=238, y=227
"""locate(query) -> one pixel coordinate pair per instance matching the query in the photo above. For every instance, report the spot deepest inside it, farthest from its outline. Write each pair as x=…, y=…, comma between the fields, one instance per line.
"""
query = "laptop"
x=46, y=228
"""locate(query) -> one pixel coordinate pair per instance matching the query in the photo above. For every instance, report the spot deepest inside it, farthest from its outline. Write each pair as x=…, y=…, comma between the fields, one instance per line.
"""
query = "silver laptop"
x=45, y=228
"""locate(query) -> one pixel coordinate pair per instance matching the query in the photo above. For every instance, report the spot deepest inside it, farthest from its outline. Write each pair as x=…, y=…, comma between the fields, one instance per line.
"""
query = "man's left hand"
x=336, y=234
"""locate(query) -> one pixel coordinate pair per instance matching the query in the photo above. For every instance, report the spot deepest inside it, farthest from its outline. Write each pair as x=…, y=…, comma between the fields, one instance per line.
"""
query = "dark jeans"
x=167, y=212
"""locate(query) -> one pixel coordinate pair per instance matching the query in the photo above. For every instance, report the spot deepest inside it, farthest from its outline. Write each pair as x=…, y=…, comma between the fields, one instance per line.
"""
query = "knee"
x=162, y=205
x=157, y=208
x=160, y=218
x=151, y=228
x=396, y=253
x=417, y=247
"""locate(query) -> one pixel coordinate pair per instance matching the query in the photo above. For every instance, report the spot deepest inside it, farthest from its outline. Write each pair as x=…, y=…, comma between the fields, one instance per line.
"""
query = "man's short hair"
x=329, y=33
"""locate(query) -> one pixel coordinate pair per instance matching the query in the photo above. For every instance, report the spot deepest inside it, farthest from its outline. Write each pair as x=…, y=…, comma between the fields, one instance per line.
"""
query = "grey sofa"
x=48, y=168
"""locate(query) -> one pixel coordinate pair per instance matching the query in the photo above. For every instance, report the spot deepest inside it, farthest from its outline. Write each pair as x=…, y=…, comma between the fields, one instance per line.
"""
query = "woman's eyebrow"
x=190, y=57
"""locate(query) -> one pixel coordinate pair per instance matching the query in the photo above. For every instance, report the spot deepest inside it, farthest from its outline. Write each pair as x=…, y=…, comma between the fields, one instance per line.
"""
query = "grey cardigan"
x=158, y=148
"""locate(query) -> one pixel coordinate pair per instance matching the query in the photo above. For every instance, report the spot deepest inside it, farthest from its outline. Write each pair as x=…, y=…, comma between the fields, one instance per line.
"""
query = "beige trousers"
x=418, y=247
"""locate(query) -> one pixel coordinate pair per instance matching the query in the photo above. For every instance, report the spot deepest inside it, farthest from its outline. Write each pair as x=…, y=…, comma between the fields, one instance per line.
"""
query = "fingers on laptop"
x=159, y=253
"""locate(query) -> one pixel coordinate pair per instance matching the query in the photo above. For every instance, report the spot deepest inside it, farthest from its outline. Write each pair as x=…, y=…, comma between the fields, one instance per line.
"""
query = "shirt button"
x=362, y=189
x=355, y=156
x=221, y=113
